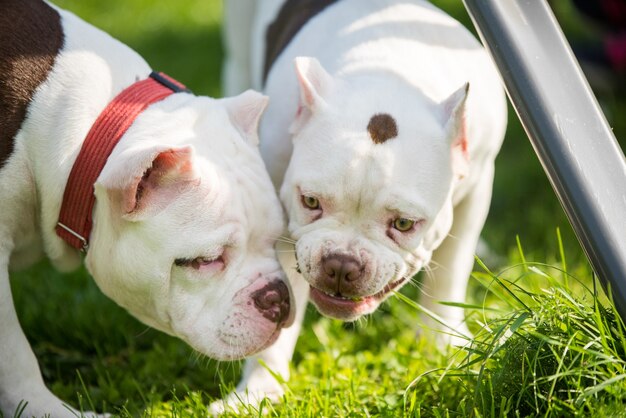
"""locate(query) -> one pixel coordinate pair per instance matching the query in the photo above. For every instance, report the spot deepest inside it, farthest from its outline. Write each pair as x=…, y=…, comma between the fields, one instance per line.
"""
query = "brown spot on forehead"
x=30, y=39
x=382, y=127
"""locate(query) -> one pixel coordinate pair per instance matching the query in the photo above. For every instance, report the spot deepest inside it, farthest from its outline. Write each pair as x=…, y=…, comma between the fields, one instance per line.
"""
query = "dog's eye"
x=403, y=224
x=310, y=202
x=199, y=262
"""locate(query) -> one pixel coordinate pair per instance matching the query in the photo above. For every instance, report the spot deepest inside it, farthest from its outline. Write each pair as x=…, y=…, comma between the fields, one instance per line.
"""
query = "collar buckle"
x=85, y=245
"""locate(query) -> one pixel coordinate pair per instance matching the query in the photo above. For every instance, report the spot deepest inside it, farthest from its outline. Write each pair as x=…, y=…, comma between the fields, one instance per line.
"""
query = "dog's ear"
x=453, y=118
x=245, y=112
x=453, y=112
x=314, y=83
x=148, y=180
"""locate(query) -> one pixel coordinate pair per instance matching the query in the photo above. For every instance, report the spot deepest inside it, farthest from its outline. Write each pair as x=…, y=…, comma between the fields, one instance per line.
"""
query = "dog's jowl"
x=384, y=120
x=163, y=191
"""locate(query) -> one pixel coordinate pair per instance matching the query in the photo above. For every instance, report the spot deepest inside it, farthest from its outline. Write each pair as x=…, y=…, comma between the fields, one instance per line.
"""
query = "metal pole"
x=565, y=125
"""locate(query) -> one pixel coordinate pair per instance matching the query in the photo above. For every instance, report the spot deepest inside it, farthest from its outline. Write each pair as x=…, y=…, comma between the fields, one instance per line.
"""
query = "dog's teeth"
x=353, y=298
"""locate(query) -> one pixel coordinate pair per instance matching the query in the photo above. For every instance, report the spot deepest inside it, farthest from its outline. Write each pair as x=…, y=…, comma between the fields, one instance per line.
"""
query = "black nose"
x=340, y=271
x=272, y=300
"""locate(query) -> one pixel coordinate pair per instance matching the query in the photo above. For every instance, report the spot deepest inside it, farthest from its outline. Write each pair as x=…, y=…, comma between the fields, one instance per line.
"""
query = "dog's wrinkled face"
x=184, y=233
x=368, y=186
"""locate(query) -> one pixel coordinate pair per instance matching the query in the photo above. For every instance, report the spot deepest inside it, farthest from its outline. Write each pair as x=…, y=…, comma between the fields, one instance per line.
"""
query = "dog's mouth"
x=351, y=308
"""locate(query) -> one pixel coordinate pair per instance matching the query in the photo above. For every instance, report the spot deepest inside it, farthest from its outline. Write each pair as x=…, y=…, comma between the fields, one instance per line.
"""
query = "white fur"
x=410, y=60
x=216, y=199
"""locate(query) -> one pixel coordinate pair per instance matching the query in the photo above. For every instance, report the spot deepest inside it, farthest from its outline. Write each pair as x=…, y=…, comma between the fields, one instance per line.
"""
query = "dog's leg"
x=237, y=35
x=452, y=263
x=20, y=377
x=257, y=382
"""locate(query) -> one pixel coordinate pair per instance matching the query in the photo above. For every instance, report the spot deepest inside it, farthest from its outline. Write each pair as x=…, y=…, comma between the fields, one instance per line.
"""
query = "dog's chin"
x=251, y=350
x=351, y=309
x=228, y=349
x=271, y=340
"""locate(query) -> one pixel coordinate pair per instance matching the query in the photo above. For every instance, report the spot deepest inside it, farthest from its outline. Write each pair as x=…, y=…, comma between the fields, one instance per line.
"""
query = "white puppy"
x=185, y=216
x=384, y=122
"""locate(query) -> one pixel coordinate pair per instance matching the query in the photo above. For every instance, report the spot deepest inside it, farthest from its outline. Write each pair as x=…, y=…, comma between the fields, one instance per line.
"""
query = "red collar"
x=75, y=218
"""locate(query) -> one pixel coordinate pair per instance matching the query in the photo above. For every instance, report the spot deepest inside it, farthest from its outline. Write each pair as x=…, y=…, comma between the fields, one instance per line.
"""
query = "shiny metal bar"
x=565, y=125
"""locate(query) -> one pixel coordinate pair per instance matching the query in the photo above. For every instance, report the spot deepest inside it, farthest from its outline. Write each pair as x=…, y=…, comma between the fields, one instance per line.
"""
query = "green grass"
x=548, y=343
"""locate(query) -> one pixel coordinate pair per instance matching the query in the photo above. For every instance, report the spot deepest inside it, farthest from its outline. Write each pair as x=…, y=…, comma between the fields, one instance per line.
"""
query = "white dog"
x=185, y=216
x=384, y=122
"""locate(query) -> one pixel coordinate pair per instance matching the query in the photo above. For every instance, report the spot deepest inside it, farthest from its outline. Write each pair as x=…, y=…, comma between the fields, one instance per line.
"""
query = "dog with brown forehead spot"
x=382, y=154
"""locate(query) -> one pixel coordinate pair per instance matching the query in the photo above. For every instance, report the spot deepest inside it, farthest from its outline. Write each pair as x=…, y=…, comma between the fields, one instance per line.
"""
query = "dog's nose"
x=272, y=300
x=340, y=268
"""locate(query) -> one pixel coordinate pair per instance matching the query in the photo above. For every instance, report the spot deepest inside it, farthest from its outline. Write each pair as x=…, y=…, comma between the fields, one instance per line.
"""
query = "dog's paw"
x=250, y=402
x=42, y=403
x=91, y=414
x=251, y=394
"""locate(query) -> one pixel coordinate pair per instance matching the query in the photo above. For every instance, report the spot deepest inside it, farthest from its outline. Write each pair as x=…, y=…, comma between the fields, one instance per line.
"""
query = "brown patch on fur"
x=293, y=15
x=30, y=39
x=382, y=127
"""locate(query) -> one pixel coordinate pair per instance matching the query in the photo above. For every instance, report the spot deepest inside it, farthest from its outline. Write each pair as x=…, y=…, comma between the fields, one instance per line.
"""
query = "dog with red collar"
x=161, y=192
